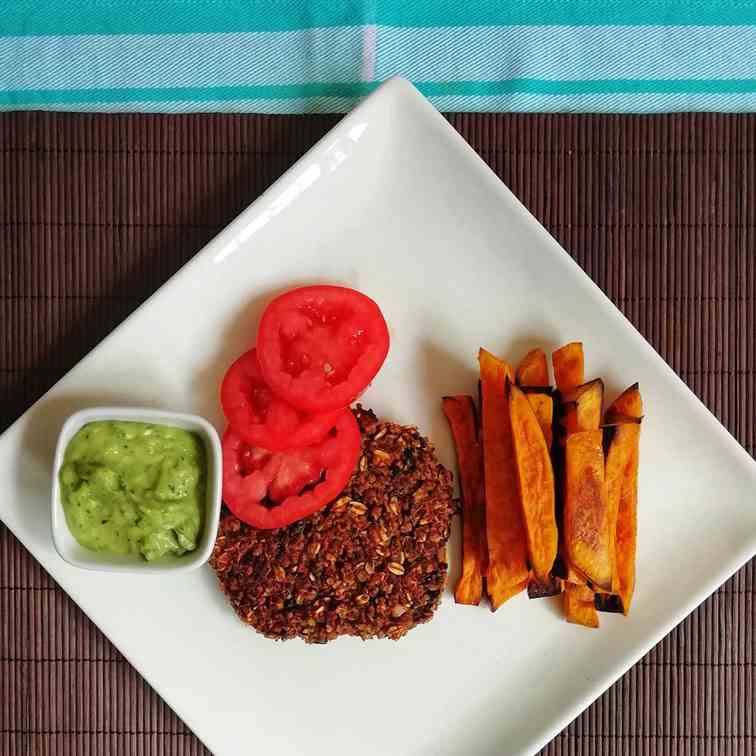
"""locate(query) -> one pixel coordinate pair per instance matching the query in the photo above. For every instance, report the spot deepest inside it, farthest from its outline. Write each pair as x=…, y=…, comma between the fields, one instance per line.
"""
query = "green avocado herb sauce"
x=134, y=488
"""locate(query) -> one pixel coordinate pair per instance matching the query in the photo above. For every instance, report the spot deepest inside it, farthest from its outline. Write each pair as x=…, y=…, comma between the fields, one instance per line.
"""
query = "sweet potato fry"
x=579, y=611
x=627, y=531
x=622, y=494
x=628, y=403
x=505, y=531
x=533, y=378
x=534, y=369
x=569, y=372
x=587, y=538
x=581, y=411
x=542, y=402
x=568, y=366
x=460, y=412
x=622, y=441
x=581, y=408
x=535, y=477
x=543, y=407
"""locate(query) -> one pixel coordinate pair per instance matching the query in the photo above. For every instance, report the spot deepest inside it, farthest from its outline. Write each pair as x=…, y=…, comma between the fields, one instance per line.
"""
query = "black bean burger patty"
x=371, y=564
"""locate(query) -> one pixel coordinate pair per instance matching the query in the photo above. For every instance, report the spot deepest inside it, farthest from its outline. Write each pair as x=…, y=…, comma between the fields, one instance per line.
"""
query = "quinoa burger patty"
x=371, y=564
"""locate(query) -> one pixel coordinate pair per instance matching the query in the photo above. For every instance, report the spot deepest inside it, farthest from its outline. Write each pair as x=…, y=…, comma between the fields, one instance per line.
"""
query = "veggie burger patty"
x=371, y=564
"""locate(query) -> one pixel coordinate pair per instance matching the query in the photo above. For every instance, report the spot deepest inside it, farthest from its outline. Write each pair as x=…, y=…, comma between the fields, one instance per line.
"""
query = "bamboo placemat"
x=97, y=211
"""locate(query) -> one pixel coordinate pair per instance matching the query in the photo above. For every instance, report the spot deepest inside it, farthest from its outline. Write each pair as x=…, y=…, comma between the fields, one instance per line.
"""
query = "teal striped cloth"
x=294, y=56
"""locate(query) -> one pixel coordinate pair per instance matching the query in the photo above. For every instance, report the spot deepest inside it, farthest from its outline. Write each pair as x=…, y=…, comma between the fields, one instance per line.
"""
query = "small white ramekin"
x=75, y=554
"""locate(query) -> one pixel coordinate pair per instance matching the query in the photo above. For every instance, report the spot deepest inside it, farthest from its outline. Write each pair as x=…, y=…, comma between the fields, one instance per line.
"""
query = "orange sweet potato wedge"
x=462, y=417
x=622, y=495
x=621, y=440
x=542, y=402
x=569, y=374
x=507, y=572
x=581, y=407
x=534, y=369
x=568, y=366
x=587, y=537
x=628, y=403
x=533, y=377
x=535, y=477
x=577, y=609
x=627, y=530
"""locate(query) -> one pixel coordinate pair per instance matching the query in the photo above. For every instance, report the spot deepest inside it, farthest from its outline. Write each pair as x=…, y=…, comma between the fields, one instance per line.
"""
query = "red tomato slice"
x=271, y=489
x=260, y=417
x=320, y=346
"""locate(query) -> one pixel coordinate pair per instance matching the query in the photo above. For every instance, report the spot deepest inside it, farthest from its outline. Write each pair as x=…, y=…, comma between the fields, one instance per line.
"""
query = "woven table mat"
x=97, y=211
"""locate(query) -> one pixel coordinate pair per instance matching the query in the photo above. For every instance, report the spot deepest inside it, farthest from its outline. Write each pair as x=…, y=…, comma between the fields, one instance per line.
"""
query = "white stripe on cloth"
x=495, y=53
x=181, y=60
x=369, y=39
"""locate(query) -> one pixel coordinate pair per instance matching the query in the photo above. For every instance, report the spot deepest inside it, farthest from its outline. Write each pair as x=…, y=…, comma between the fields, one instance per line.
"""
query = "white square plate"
x=392, y=201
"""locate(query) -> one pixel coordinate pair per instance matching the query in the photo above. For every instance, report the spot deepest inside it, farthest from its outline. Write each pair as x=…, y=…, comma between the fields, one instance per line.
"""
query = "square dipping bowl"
x=75, y=554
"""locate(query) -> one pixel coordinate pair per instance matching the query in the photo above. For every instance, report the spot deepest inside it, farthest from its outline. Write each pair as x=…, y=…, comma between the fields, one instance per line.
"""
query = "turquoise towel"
x=295, y=56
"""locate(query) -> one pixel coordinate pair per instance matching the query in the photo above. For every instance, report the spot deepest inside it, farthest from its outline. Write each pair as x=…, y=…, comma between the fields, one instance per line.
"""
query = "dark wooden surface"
x=97, y=211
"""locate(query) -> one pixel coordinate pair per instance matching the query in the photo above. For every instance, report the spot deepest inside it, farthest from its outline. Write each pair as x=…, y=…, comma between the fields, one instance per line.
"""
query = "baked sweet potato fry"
x=619, y=440
x=628, y=403
x=505, y=531
x=568, y=366
x=533, y=377
x=580, y=409
x=569, y=374
x=622, y=494
x=463, y=421
x=533, y=370
x=577, y=610
x=535, y=477
x=627, y=530
x=587, y=537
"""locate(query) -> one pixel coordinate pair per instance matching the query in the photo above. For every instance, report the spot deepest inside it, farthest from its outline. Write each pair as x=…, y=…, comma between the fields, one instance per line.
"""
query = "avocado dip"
x=134, y=488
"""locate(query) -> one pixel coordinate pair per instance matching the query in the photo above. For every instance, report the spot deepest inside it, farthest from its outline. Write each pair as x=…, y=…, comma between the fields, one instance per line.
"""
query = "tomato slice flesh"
x=260, y=417
x=271, y=489
x=320, y=346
